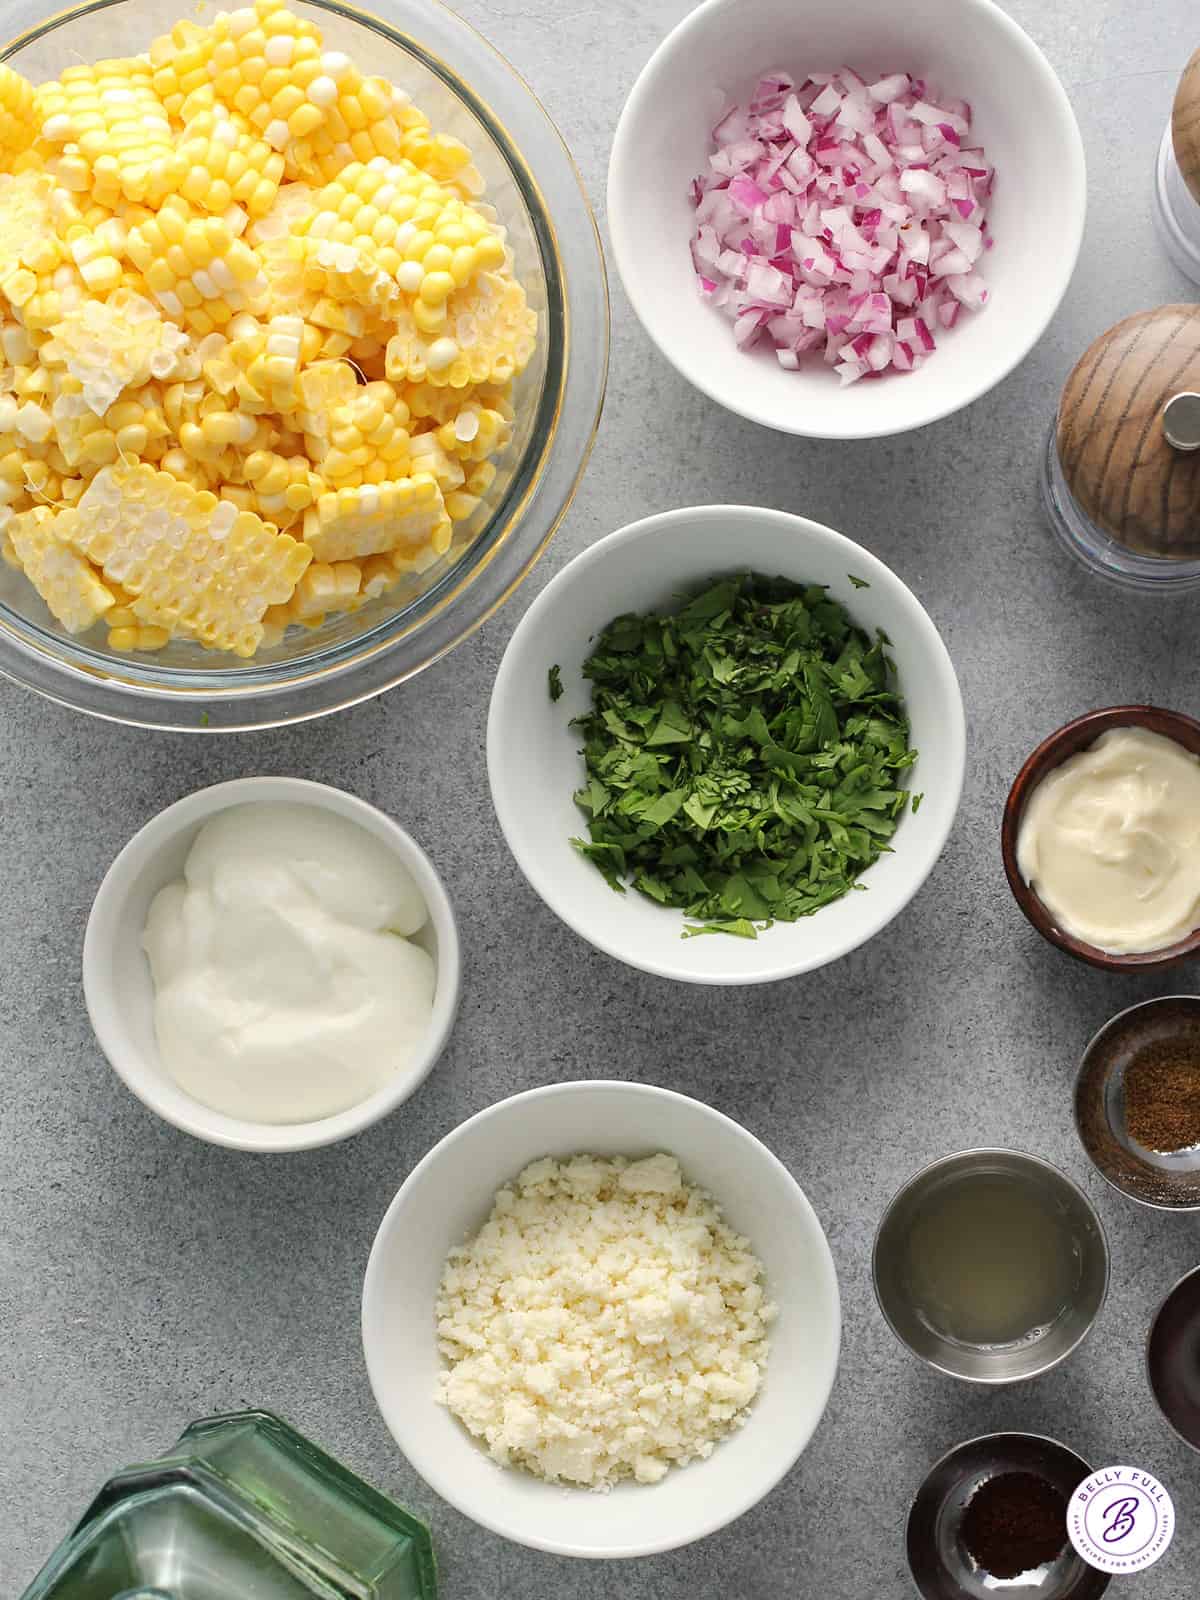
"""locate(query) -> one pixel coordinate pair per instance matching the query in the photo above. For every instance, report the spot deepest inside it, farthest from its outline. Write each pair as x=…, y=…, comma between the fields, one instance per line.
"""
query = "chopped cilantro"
x=859, y=583
x=916, y=803
x=205, y=719
x=556, y=683
x=744, y=754
x=741, y=927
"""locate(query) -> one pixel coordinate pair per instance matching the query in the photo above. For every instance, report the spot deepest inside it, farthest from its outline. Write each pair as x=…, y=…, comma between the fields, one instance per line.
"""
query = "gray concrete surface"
x=146, y=1279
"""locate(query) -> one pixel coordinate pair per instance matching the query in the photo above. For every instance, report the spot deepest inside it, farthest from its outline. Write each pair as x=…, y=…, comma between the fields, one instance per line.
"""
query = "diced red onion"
x=843, y=217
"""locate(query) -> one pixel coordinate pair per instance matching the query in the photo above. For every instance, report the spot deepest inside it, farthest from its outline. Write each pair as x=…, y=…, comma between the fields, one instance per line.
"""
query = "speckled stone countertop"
x=146, y=1279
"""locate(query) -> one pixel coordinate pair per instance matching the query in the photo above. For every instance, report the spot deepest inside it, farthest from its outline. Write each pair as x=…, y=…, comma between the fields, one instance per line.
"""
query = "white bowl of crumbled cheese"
x=601, y=1319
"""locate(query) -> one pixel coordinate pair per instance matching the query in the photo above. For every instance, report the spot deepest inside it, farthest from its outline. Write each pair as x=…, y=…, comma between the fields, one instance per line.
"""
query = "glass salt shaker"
x=242, y=1506
x=1121, y=471
x=1177, y=175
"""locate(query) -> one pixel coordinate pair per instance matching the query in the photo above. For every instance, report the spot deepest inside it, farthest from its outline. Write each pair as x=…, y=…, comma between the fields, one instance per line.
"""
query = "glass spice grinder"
x=242, y=1506
x=1121, y=471
x=1177, y=175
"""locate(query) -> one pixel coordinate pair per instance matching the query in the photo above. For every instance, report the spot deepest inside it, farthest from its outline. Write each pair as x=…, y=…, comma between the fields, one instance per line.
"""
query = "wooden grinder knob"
x=1112, y=447
x=1185, y=126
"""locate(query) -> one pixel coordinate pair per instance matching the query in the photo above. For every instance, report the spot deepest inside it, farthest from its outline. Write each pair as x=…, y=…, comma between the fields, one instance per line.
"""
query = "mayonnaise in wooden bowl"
x=289, y=1085
x=1134, y=833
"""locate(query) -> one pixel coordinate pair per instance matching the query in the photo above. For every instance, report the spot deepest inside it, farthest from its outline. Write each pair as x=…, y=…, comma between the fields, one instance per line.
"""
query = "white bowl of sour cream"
x=271, y=964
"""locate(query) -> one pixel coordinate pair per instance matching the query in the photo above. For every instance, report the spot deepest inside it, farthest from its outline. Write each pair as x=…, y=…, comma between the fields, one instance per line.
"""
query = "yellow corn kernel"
x=137, y=636
x=460, y=506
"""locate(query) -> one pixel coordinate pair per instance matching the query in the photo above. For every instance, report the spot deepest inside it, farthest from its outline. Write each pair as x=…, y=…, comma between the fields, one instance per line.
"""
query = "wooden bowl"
x=1185, y=126
x=1069, y=740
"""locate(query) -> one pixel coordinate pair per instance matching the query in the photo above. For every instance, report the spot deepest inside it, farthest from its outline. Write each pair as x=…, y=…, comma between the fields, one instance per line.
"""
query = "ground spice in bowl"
x=1014, y=1522
x=1162, y=1094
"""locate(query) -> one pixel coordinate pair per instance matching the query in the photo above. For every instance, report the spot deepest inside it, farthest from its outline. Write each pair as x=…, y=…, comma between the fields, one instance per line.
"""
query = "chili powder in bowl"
x=992, y=1514
x=1137, y=1102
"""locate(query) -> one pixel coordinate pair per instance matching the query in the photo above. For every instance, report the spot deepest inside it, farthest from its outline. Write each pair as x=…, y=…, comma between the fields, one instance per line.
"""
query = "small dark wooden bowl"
x=1052, y=752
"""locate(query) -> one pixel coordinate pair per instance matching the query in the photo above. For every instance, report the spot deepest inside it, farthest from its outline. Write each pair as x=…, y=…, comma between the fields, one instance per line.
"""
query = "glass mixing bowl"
x=467, y=89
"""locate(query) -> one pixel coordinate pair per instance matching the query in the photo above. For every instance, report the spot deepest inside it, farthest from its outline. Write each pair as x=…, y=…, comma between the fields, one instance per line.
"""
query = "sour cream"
x=1110, y=842
x=286, y=985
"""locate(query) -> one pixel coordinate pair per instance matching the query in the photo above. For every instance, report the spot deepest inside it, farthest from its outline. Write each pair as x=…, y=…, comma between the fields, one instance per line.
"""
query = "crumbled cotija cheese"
x=603, y=1323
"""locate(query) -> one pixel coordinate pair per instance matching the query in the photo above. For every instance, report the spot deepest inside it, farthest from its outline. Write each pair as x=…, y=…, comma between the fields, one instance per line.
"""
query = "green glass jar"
x=242, y=1505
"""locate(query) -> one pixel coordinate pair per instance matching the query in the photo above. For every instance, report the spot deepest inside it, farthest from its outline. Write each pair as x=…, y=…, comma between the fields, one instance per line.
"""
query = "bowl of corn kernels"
x=287, y=405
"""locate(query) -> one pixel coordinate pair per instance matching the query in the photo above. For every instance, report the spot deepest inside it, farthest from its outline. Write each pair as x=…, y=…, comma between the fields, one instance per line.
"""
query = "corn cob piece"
x=69, y=585
x=29, y=247
x=325, y=587
x=179, y=64
x=445, y=158
x=490, y=334
x=194, y=266
x=225, y=164
x=18, y=124
x=111, y=345
x=375, y=518
x=109, y=118
x=365, y=438
x=263, y=61
x=196, y=565
x=359, y=122
x=427, y=240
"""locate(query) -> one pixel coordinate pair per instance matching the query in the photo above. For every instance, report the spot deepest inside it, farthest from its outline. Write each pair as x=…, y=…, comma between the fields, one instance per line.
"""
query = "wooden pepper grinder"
x=1177, y=175
x=1121, y=481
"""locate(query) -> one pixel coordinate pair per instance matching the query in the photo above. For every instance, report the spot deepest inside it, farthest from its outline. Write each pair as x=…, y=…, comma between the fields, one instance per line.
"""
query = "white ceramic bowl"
x=535, y=766
x=968, y=48
x=448, y=1196
x=120, y=993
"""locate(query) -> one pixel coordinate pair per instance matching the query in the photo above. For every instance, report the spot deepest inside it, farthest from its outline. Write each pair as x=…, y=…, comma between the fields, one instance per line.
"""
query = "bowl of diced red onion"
x=846, y=218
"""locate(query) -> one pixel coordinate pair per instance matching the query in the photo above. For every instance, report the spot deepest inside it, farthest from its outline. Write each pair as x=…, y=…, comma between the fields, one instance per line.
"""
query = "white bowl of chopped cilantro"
x=726, y=745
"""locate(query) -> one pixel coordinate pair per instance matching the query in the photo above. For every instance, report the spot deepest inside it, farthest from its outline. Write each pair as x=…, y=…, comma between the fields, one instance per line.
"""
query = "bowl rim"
x=334, y=676
x=938, y=659
x=1034, y=769
x=1193, y=1272
x=987, y=1380
x=623, y=168
x=983, y=1439
x=443, y=1482
x=143, y=1078
x=1082, y=1072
